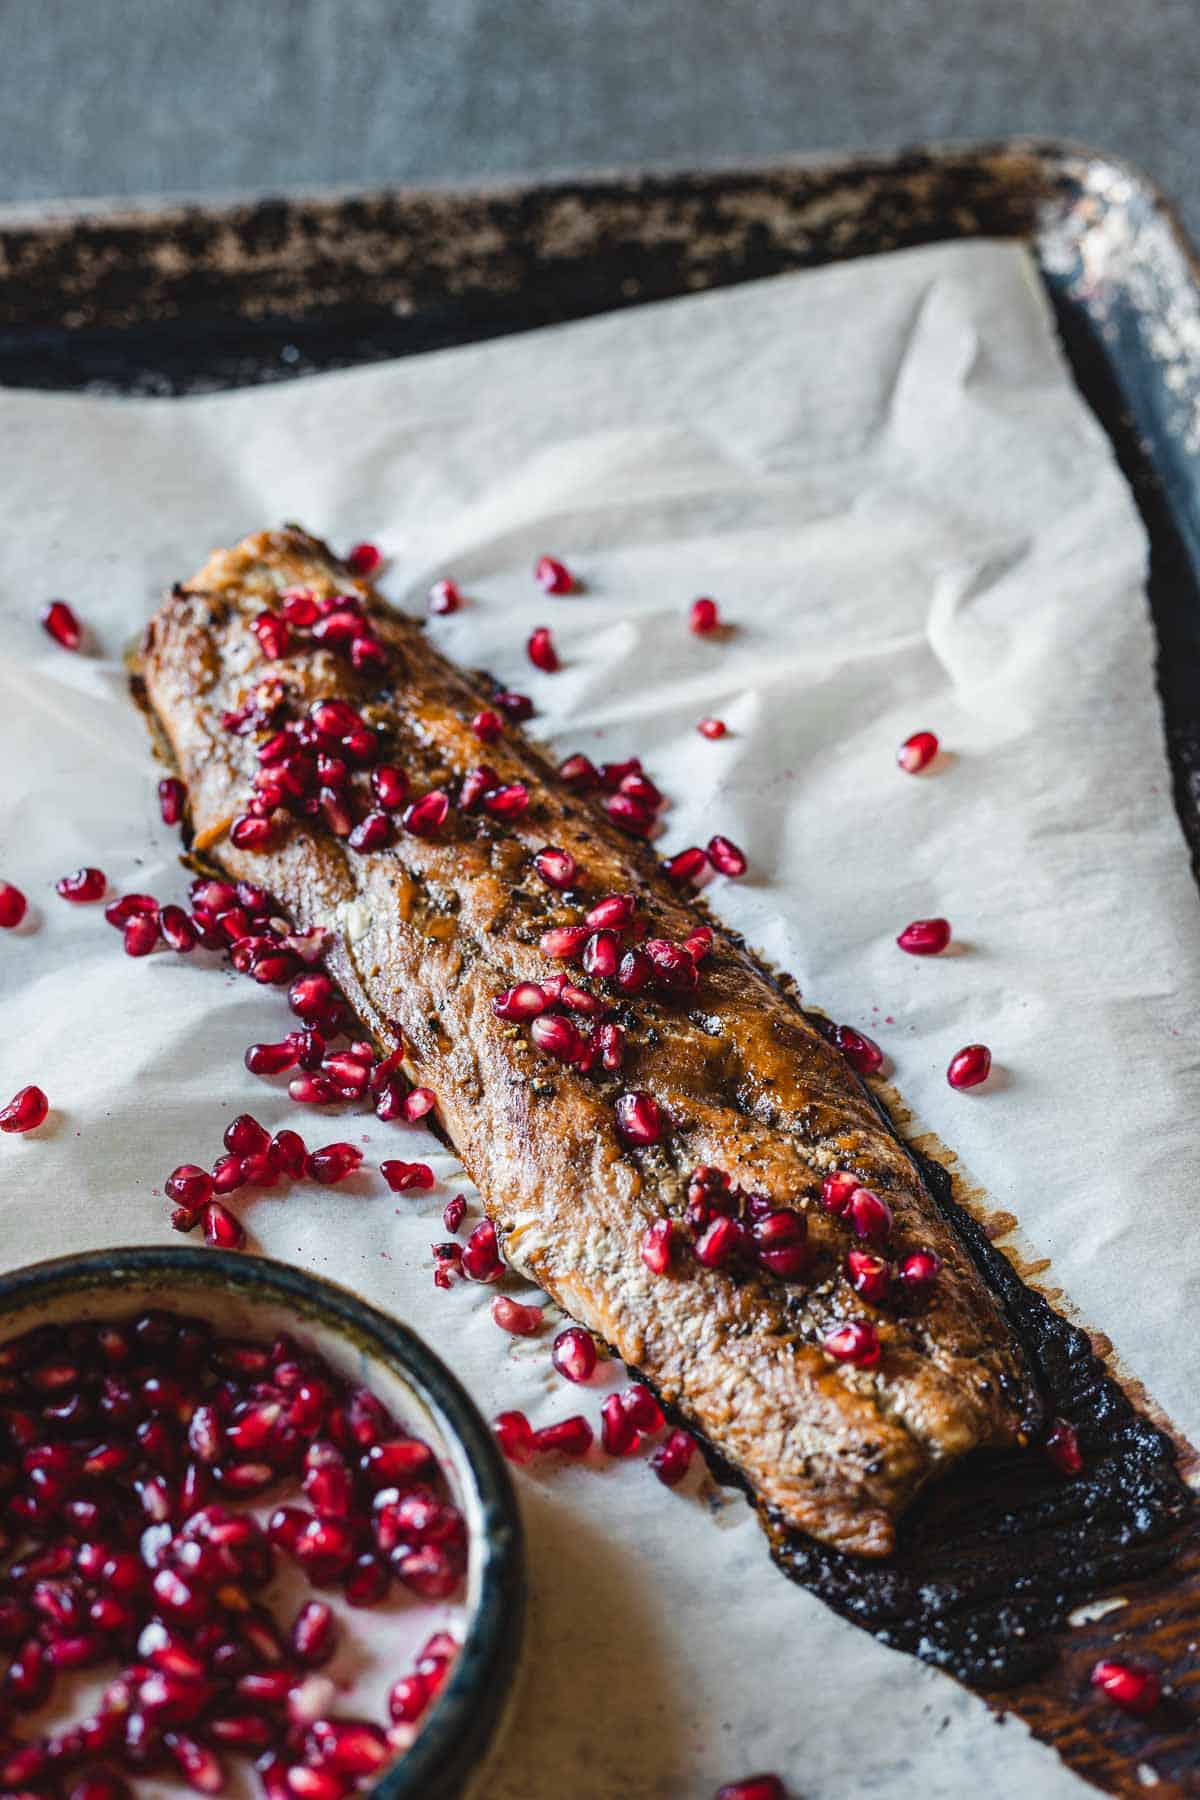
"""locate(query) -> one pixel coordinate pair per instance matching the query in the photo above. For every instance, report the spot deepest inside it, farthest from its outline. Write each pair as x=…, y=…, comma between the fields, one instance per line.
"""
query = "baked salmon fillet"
x=671, y=1147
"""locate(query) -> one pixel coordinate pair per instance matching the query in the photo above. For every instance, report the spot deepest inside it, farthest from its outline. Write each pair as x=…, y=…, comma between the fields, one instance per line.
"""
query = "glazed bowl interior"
x=251, y=1297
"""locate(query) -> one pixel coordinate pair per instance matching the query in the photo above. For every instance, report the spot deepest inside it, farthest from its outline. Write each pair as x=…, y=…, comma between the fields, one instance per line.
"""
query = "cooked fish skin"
x=427, y=932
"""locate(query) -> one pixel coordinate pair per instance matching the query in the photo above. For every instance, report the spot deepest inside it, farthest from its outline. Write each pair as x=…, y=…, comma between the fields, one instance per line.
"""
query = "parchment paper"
x=884, y=474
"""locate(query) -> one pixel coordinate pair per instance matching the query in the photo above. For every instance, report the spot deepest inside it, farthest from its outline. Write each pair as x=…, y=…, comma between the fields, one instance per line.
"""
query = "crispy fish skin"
x=429, y=931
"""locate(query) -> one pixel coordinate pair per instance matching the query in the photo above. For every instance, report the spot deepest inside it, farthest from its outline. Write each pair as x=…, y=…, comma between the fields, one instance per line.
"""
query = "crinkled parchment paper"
x=884, y=474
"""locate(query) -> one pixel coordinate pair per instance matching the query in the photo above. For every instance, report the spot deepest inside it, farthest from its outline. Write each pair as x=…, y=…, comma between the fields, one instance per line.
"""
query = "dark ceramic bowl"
x=252, y=1296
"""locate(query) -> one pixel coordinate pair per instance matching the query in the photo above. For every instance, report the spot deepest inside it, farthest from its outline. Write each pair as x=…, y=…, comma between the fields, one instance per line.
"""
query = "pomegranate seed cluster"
x=134, y=1453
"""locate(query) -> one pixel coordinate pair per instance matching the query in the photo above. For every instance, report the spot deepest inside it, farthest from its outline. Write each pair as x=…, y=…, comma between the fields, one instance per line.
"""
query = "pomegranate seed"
x=612, y=774
x=418, y=1103
x=781, y=1242
x=189, y=1186
x=712, y=728
x=573, y=1354
x=869, y=1275
x=725, y=857
x=1133, y=1687
x=856, y=1343
x=618, y=1433
x=917, y=752
x=171, y=796
x=62, y=625
x=523, y=1002
x=636, y=971
x=248, y=833
x=299, y=608
x=274, y=638
x=83, y=885
x=602, y=954
x=390, y=786
x=310, y=997
x=245, y=1135
x=312, y=1090
x=306, y=1783
x=372, y=833
x=557, y=868
x=12, y=905
x=511, y=1316
x=925, y=937
x=363, y=559
x=918, y=1272
x=271, y=1059
x=578, y=772
x=629, y=814
x=719, y=1243
x=221, y=1228
x=288, y=1154
x=1062, y=1447
x=481, y=1255
x=836, y=1190
x=351, y=1745
x=641, y=788
x=515, y=1436
x=673, y=1458
x=406, y=1177
x=444, y=597
x=198, y=1766
x=487, y=726
x=570, y=1437
x=426, y=816
x=396, y=1462
x=507, y=802
x=656, y=1247
x=753, y=1787
x=642, y=1409
x=674, y=968
x=25, y=1111
x=861, y=1052
x=141, y=934
x=518, y=706
x=553, y=576
x=703, y=617
x=869, y=1215
x=614, y=912
x=687, y=865
x=454, y=1212
x=408, y=1699
x=565, y=942
x=333, y=1162
x=177, y=929
x=639, y=1118
x=119, y=912
x=970, y=1066
x=541, y=652
x=476, y=783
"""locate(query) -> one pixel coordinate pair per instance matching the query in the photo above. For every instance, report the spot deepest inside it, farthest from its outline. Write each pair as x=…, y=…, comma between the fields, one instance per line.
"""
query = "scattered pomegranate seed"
x=83, y=885
x=487, y=726
x=1133, y=1687
x=856, y=1343
x=333, y=1162
x=417, y=1104
x=712, y=728
x=25, y=1111
x=570, y=1437
x=274, y=638
x=12, y=905
x=389, y=786
x=481, y=1259
x=699, y=943
x=639, y=1118
x=869, y=1215
x=970, y=1066
x=406, y=1177
x=1062, y=1447
x=426, y=816
x=518, y=706
x=869, y=1275
x=919, y=1272
x=177, y=929
x=523, y=1002
x=221, y=1228
x=511, y=1316
x=573, y=1354
x=618, y=1433
x=541, y=652
x=171, y=796
x=917, y=752
x=189, y=1185
x=444, y=597
x=860, y=1051
x=657, y=1246
x=141, y=934
x=925, y=937
x=718, y=1243
x=553, y=576
x=299, y=608
x=780, y=1240
x=271, y=1059
x=62, y=625
x=673, y=1458
x=515, y=1436
x=578, y=772
x=363, y=559
x=288, y=1154
x=507, y=802
x=454, y=1212
x=565, y=942
x=686, y=865
x=703, y=617
x=557, y=868
x=245, y=1135
x=753, y=1787
x=725, y=857
x=249, y=833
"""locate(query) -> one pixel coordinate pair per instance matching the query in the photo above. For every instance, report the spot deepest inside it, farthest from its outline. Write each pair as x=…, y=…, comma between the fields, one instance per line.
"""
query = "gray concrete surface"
x=162, y=96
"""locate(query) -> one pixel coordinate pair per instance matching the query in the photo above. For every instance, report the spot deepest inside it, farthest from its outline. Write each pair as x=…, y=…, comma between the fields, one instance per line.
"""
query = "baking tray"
x=202, y=296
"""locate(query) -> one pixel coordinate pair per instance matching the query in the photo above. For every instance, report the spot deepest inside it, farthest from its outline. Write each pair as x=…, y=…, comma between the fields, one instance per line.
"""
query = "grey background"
x=161, y=96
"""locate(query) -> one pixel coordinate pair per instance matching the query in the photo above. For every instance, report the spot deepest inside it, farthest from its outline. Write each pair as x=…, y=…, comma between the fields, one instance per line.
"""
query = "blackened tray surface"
x=193, y=298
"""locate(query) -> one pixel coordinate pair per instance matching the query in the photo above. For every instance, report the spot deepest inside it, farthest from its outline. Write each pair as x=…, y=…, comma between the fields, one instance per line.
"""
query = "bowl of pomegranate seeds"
x=254, y=1539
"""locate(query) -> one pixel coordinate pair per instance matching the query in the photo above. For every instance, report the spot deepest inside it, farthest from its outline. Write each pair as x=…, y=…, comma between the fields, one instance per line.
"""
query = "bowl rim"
x=461, y=1726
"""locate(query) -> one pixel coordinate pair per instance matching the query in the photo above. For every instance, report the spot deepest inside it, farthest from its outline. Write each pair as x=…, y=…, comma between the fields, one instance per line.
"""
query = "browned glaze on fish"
x=429, y=931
